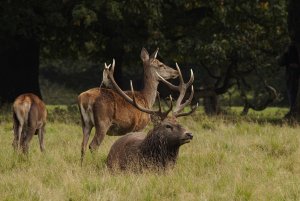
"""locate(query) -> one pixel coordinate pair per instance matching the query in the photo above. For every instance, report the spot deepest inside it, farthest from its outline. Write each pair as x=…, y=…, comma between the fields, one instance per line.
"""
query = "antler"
x=162, y=115
x=182, y=87
x=105, y=80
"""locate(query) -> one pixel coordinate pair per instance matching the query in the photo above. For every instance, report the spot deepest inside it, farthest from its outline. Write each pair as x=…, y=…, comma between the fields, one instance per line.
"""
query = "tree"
x=293, y=20
x=23, y=28
x=74, y=30
x=234, y=43
x=227, y=43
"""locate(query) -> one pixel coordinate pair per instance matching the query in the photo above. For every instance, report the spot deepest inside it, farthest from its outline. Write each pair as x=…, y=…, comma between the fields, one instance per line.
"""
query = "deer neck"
x=155, y=148
x=150, y=88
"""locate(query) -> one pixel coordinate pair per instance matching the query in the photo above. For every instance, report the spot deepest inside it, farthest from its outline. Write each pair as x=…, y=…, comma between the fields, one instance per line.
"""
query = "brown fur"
x=109, y=112
x=29, y=118
x=158, y=150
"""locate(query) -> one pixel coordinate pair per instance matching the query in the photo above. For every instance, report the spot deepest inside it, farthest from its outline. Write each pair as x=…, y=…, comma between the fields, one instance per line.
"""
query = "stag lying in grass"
x=110, y=113
x=29, y=118
x=158, y=150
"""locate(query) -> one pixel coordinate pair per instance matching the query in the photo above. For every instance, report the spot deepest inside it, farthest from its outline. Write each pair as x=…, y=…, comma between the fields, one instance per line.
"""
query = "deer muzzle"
x=187, y=138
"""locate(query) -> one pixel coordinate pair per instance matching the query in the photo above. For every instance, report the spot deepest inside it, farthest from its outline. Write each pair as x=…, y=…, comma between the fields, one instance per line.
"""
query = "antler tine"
x=132, y=100
x=113, y=66
x=180, y=74
x=137, y=105
x=191, y=79
x=159, y=113
x=171, y=105
x=182, y=106
x=118, y=89
x=193, y=109
x=170, y=85
x=107, y=67
x=182, y=90
x=159, y=103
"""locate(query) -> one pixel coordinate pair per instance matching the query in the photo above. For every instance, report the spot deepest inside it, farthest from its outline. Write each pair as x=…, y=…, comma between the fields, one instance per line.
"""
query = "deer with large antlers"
x=158, y=149
x=109, y=113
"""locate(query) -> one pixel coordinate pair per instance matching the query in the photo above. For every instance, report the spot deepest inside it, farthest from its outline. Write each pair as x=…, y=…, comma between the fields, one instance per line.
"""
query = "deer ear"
x=154, y=54
x=144, y=55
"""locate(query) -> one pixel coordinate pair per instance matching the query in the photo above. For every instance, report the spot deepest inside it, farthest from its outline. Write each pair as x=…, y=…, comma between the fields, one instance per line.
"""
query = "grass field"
x=256, y=157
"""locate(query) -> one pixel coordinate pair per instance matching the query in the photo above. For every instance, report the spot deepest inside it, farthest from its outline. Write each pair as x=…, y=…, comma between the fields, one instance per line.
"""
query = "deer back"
x=111, y=107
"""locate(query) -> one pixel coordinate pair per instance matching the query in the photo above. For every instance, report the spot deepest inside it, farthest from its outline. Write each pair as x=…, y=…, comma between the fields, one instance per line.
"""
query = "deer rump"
x=29, y=118
x=111, y=107
x=29, y=115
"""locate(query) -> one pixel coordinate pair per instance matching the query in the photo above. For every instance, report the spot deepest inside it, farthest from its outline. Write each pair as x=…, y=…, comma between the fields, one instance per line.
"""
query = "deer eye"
x=169, y=127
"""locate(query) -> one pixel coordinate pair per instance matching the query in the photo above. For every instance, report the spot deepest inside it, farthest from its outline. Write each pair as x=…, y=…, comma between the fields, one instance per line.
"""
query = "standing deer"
x=158, y=149
x=29, y=118
x=109, y=112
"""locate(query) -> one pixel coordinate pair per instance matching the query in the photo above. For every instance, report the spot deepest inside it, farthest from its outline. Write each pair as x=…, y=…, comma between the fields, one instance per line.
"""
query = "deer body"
x=157, y=150
x=29, y=118
x=110, y=113
x=122, y=115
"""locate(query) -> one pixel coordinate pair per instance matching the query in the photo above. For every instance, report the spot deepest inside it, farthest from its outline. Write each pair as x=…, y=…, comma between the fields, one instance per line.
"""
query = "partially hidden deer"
x=110, y=114
x=29, y=118
x=159, y=148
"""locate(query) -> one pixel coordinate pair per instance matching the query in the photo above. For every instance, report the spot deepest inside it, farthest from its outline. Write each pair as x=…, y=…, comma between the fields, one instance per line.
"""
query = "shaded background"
x=57, y=49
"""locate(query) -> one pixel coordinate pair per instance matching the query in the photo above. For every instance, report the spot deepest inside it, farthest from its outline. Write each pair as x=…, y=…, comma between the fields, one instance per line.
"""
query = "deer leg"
x=16, y=141
x=26, y=139
x=101, y=130
x=86, y=135
x=41, y=132
x=19, y=135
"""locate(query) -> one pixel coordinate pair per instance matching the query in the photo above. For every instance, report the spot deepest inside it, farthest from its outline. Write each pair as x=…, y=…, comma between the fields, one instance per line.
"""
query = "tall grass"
x=256, y=157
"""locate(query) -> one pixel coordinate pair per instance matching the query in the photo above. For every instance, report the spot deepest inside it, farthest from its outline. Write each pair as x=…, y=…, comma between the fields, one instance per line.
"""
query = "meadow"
x=232, y=157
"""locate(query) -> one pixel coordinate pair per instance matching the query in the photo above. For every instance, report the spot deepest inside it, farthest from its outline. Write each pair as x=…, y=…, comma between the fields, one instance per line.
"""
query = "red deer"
x=159, y=148
x=110, y=113
x=29, y=118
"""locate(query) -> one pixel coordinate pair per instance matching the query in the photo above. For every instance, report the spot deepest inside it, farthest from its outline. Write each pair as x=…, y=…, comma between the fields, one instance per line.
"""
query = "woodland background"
x=57, y=49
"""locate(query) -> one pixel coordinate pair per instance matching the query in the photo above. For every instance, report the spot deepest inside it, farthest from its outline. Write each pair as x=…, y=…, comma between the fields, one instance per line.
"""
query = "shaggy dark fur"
x=157, y=150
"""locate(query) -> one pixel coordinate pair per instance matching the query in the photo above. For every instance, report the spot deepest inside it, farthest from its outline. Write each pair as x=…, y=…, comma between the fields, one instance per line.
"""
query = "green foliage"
x=81, y=14
x=62, y=114
x=215, y=33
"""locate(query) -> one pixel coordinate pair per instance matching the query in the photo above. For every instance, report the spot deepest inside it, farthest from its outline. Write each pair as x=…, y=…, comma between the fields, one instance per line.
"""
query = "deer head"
x=158, y=115
x=152, y=64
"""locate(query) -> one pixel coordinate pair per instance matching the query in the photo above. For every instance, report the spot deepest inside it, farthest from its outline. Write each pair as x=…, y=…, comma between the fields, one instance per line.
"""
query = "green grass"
x=254, y=157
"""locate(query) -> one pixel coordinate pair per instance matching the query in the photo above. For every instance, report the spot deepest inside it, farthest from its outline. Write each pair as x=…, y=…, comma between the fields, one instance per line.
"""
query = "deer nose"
x=189, y=135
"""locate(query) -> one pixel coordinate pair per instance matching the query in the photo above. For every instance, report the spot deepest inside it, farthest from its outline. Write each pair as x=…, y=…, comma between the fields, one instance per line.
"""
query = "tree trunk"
x=293, y=21
x=210, y=100
x=211, y=105
x=19, y=72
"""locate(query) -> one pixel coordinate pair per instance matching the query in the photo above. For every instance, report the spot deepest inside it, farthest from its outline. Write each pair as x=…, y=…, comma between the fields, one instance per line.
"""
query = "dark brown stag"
x=110, y=113
x=29, y=118
x=158, y=150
